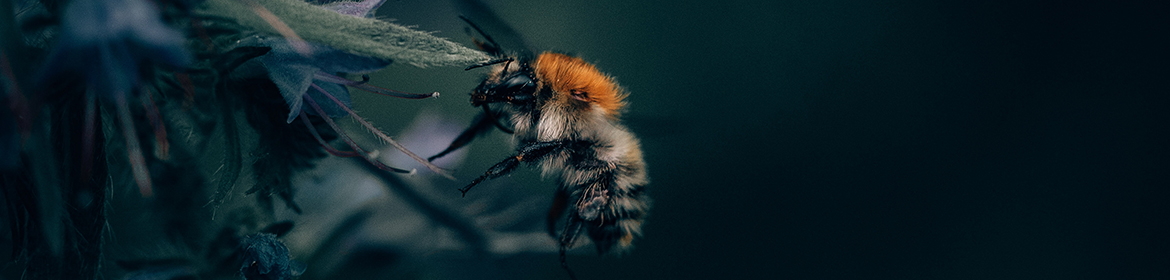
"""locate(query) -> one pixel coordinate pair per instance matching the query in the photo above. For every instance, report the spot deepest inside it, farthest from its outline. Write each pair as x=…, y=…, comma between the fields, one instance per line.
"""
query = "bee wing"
x=494, y=29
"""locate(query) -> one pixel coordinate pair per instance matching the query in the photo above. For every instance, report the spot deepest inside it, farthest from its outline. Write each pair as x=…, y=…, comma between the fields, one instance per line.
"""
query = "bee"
x=564, y=115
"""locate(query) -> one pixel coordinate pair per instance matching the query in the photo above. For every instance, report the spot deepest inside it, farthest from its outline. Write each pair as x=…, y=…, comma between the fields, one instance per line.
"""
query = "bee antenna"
x=490, y=63
x=495, y=45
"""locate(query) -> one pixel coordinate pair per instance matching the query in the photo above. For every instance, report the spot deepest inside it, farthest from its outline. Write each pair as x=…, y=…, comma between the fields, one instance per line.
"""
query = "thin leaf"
x=364, y=36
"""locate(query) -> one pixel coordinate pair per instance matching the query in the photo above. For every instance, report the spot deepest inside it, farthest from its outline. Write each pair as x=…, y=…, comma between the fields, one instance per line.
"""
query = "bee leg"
x=487, y=111
x=500, y=169
x=528, y=153
x=560, y=203
x=568, y=237
x=479, y=126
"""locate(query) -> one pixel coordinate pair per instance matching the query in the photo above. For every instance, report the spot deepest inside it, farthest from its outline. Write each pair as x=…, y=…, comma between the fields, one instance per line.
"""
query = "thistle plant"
x=170, y=99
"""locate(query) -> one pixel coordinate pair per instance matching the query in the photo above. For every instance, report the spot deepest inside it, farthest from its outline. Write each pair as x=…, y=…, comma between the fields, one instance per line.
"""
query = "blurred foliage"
x=145, y=139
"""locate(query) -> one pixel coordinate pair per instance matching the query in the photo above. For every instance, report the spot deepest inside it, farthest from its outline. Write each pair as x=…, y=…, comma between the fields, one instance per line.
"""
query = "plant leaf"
x=363, y=36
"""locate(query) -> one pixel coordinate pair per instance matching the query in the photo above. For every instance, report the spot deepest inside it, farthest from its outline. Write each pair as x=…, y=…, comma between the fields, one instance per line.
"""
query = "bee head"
x=517, y=87
x=553, y=79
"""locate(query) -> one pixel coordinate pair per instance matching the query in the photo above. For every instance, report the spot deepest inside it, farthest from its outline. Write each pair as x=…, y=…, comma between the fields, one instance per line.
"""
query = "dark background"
x=863, y=140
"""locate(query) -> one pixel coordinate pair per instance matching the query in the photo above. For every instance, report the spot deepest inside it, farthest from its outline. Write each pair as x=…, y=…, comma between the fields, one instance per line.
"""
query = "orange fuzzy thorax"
x=572, y=76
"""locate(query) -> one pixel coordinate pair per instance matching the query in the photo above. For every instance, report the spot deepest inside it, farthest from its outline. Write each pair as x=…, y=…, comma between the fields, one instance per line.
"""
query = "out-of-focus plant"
x=100, y=95
x=368, y=224
x=105, y=42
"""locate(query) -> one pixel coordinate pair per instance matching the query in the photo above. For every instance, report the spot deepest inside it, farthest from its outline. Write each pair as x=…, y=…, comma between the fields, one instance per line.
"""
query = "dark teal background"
x=863, y=139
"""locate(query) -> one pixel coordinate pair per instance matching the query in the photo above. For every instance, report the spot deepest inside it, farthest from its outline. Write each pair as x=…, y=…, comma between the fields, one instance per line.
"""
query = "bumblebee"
x=564, y=114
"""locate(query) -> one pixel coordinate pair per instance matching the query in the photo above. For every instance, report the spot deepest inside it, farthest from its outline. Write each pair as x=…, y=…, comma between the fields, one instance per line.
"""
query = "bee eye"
x=518, y=88
x=519, y=85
